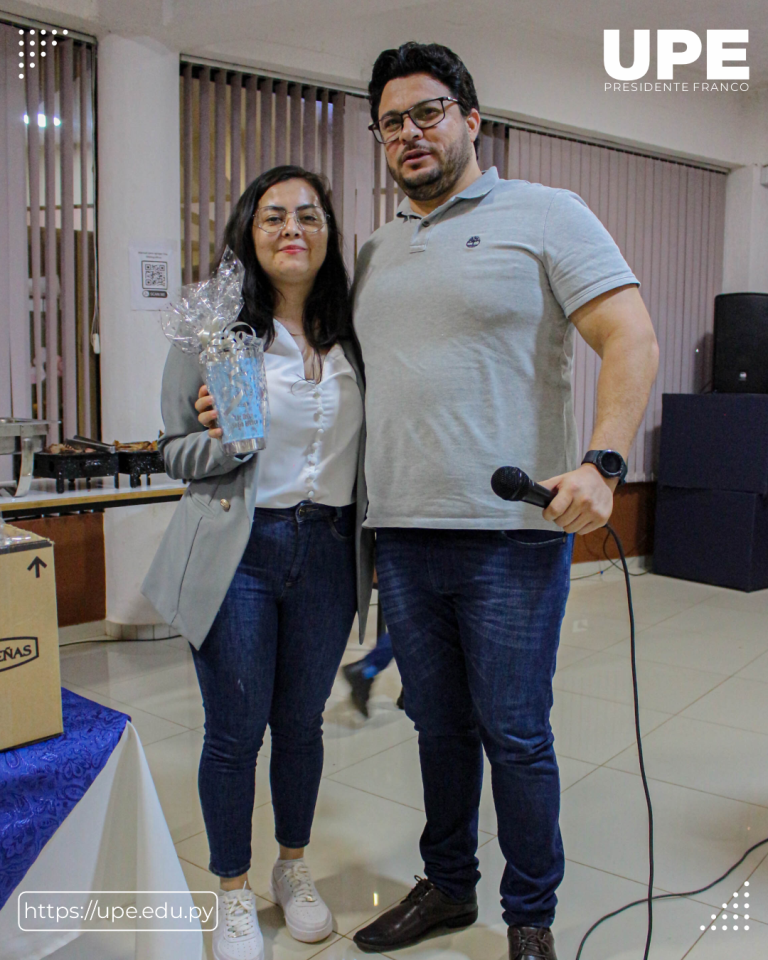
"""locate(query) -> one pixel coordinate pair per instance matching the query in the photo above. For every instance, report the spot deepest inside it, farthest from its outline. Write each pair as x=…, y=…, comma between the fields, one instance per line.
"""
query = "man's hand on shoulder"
x=584, y=499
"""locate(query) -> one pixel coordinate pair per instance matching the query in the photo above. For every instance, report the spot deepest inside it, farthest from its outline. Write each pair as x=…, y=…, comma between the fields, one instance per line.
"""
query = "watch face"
x=611, y=462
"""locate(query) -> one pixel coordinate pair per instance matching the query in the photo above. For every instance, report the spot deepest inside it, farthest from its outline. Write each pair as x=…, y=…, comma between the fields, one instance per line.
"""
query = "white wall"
x=139, y=194
x=745, y=261
x=132, y=536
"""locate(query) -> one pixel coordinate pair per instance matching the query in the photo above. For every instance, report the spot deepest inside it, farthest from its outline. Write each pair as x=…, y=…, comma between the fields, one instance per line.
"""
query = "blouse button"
x=321, y=430
x=225, y=505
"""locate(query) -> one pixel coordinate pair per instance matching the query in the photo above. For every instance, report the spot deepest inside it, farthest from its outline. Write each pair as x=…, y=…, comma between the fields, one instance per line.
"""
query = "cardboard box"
x=30, y=681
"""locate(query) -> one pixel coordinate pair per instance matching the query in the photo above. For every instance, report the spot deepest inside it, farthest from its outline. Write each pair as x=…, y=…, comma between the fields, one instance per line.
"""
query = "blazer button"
x=225, y=505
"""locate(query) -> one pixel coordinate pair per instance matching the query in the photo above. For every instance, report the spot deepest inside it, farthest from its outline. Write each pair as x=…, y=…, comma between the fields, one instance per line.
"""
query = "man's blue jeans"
x=475, y=621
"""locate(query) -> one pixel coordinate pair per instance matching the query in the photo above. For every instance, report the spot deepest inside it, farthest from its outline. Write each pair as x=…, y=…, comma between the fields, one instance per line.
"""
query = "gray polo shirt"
x=462, y=320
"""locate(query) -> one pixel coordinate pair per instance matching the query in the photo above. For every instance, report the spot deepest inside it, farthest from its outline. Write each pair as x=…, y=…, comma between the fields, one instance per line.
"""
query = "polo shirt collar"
x=478, y=188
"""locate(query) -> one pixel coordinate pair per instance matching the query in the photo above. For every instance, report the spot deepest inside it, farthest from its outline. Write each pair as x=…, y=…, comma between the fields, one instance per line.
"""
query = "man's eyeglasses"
x=308, y=218
x=425, y=114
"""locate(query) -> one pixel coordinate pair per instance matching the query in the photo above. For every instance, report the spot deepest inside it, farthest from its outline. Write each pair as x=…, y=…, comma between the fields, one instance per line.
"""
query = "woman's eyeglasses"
x=308, y=218
x=425, y=114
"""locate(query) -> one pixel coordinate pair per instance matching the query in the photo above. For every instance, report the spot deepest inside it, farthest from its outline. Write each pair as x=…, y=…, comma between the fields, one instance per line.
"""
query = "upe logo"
x=473, y=241
x=677, y=47
x=16, y=651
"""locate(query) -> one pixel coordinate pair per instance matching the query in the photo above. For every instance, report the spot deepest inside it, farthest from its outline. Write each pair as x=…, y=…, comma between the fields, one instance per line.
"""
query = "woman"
x=258, y=567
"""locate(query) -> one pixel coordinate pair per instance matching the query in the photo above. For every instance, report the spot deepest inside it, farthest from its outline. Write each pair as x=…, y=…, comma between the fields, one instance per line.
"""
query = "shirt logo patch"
x=473, y=241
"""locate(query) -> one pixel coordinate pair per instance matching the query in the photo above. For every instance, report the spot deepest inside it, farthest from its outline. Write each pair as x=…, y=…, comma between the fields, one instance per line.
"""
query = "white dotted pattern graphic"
x=735, y=915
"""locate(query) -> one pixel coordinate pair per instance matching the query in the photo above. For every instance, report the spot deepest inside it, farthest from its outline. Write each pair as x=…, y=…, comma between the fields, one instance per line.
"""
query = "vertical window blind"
x=666, y=216
x=235, y=126
x=47, y=283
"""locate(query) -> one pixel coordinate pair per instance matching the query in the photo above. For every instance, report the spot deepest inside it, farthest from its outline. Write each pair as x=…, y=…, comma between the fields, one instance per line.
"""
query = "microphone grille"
x=510, y=483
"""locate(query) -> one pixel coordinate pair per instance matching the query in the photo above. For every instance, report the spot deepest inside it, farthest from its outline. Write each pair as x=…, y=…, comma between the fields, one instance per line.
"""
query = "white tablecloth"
x=115, y=838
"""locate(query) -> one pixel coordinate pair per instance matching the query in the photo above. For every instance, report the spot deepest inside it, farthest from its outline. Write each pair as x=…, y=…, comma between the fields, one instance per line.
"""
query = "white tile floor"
x=703, y=679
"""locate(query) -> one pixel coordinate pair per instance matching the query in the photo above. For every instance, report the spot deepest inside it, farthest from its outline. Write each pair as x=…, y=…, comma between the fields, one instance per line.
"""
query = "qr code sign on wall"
x=154, y=275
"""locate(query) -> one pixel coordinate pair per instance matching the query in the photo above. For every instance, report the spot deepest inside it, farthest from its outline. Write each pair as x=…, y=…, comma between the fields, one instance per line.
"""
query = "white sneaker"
x=306, y=915
x=237, y=936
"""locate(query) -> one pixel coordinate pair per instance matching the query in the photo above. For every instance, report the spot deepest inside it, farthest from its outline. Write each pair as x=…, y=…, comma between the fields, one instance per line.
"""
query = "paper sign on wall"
x=154, y=274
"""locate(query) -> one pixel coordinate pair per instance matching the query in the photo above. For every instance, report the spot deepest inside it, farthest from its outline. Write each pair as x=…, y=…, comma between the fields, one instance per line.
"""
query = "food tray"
x=69, y=467
x=139, y=463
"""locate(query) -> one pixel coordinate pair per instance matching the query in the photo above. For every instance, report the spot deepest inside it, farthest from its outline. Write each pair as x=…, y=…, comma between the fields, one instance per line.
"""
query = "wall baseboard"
x=79, y=632
x=591, y=568
x=139, y=631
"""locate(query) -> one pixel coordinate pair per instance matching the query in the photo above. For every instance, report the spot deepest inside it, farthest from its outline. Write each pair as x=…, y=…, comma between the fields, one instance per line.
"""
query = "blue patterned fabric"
x=42, y=782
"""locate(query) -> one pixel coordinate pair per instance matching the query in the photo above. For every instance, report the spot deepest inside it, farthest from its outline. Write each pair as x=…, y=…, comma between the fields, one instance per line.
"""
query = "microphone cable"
x=651, y=863
x=643, y=777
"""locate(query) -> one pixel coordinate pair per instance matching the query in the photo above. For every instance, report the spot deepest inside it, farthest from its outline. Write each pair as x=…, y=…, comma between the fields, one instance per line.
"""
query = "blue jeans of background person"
x=475, y=621
x=379, y=658
x=271, y=657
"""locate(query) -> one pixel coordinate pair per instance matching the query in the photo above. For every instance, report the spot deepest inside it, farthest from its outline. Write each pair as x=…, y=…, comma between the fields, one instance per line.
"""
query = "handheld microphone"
x=510, y=483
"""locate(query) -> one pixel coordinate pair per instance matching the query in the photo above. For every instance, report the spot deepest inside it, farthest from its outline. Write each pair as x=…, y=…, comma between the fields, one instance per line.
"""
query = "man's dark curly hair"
x=432, y=58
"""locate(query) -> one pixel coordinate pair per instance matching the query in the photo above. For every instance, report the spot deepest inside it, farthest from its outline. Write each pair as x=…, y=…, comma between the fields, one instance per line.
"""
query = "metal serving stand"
x=24, y=438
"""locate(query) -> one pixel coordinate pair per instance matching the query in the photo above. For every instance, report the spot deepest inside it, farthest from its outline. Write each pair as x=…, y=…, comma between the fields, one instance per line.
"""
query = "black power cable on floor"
x=671, y=896
x=651, y=865
x=633, y=660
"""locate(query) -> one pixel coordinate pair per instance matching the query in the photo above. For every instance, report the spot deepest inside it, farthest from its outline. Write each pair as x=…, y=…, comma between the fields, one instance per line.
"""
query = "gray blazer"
x=209, y=531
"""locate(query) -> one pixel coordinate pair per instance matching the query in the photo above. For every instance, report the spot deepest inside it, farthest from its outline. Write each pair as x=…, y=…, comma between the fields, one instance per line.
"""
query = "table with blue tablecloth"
x=80, y=812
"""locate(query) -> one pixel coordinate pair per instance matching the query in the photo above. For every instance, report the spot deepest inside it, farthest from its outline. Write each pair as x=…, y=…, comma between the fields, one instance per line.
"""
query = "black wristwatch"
x=610, y=463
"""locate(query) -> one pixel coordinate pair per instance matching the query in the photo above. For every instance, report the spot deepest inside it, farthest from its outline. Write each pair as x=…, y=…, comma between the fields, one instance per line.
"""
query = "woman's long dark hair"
x=327, y=308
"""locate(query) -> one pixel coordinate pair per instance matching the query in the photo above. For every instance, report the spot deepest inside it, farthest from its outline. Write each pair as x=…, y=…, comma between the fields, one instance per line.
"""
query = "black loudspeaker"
x=712, y=499
x=712, y=536
x=741, y=343
x=718, y=441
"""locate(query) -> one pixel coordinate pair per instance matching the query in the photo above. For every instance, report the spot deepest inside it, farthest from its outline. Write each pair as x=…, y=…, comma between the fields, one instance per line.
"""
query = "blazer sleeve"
x=188, y=451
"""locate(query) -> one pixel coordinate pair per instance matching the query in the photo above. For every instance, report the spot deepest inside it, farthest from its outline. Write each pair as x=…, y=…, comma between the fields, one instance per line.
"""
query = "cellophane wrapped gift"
x=205, y=322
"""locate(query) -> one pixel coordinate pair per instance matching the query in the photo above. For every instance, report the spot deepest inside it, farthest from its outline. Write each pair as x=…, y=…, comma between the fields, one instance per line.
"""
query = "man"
x=466, y=306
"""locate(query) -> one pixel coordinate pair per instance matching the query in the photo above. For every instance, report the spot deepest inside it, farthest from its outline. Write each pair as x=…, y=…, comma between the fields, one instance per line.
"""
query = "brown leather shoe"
x=531, y=943
x=423, y=909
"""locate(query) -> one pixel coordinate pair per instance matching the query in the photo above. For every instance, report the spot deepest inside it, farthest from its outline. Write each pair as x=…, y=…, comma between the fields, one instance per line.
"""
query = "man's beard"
x=429, y=184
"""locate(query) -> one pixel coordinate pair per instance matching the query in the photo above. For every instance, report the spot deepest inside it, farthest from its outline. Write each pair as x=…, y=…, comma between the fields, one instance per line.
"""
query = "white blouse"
x=314, y=433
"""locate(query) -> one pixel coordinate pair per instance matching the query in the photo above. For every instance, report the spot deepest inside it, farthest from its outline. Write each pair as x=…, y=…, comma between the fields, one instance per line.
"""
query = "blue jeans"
x=475, y=622
x=271, y=657
x=379, y=658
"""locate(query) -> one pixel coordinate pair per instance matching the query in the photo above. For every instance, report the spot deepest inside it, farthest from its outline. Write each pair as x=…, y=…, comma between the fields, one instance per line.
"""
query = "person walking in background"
x=466, y=305
x=264, y=562
x=361, y=674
